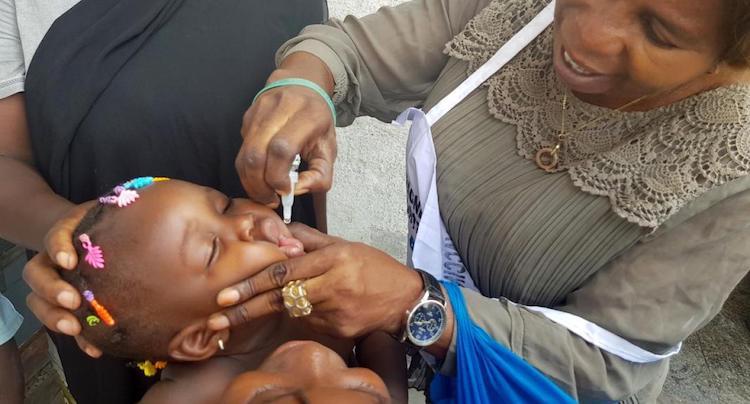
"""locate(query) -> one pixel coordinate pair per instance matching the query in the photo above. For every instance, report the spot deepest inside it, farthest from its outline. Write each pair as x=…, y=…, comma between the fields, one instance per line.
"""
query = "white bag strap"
x=507, y=52
x=606, y=340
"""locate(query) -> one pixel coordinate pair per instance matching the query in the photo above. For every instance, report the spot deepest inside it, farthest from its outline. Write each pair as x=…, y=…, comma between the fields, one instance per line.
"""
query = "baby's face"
x=307, y=372
x=195, y=241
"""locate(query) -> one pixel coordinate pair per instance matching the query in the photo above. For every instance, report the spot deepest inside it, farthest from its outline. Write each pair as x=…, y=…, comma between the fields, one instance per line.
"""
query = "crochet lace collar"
x=650, y=164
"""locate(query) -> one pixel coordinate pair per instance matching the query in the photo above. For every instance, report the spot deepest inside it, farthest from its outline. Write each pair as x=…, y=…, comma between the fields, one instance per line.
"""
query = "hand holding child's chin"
x=348, y=287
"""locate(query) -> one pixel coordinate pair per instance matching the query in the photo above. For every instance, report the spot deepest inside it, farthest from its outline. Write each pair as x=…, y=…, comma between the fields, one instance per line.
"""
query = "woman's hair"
x=737, y=33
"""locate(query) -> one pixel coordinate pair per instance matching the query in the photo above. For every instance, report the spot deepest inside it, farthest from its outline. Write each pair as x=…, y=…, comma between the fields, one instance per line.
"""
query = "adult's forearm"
x=28, y=206
x=307, y=66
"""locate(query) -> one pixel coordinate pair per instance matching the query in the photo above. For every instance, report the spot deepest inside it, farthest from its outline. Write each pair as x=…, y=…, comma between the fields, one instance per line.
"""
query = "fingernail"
x=295, y=251
x=219, y=322
x=66, y=327
x=228, y=297
x=66, y=299
x=91, y=352
x=63, y=259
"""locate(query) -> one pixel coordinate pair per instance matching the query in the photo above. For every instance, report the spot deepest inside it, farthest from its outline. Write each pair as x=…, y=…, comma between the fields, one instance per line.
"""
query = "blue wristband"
x=302, y=83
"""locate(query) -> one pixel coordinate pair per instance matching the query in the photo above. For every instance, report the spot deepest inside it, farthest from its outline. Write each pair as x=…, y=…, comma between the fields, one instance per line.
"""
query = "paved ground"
x=714, y=366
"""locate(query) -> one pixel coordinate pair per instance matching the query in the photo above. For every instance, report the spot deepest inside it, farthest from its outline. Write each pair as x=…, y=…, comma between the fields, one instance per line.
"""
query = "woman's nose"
x=599, y=33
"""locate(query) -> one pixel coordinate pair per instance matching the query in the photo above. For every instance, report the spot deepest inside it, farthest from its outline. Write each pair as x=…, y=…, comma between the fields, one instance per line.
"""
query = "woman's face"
x=307, y=372
x=610, y=52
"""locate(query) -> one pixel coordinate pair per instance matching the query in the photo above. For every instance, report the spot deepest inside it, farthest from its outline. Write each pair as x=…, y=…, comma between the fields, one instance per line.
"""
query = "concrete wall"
x=368, y=201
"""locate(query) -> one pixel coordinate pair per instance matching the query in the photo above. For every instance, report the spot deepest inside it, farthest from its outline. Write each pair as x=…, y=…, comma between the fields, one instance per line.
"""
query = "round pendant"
x=546, y=159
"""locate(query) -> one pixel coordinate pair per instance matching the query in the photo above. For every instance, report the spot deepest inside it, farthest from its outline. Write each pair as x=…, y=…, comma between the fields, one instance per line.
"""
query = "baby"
x=155, y=253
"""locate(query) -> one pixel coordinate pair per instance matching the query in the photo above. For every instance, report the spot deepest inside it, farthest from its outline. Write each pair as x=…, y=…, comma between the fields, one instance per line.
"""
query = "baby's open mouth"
x=272, y=230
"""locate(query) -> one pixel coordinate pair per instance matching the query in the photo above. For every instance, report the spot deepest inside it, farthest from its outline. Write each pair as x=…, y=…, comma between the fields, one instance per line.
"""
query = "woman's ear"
x=196, y=342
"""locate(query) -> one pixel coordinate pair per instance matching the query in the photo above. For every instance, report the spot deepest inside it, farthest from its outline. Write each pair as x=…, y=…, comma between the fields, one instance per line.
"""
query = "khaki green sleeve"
x=388, y=61
x=654, y=295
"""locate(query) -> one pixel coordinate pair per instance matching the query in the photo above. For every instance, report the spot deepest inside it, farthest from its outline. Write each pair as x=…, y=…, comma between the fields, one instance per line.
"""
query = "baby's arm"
x=386, y=357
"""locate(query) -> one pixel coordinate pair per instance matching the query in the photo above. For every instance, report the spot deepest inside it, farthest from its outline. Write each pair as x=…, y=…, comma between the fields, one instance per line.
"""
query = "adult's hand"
x=284, y=122
x=355, y=289
x=52, y=299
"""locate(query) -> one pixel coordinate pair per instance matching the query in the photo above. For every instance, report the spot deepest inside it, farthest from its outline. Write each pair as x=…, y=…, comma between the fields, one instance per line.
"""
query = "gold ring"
x=295, y=299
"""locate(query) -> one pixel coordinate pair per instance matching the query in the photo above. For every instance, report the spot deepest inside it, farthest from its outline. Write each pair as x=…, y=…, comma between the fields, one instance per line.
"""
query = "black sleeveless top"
x=124, y=88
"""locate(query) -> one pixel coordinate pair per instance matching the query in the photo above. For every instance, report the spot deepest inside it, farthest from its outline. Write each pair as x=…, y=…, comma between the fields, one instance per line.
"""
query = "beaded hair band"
x=98, y=308
x=125, y=194
x=121, y=196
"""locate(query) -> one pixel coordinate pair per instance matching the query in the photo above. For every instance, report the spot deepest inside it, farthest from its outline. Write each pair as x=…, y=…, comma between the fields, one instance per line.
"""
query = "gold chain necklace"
x=548, y=158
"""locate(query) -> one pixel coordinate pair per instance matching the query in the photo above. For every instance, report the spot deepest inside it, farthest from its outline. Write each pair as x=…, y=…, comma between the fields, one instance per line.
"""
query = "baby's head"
x=164, y=257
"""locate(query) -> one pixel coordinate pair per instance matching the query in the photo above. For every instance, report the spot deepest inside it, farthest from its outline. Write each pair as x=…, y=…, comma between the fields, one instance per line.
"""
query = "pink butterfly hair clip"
x=126, y=193
x=122, y=197
x=94, y=255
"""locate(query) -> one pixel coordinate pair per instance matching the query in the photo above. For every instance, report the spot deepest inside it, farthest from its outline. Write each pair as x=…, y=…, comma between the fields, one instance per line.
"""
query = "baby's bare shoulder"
x=199, y=382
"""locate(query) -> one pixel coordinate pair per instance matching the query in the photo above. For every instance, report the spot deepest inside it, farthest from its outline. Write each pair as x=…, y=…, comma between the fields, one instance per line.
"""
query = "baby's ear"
x=196, y=342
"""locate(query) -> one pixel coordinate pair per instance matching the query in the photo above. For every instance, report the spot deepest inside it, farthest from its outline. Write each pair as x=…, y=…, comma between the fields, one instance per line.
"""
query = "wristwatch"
x=427, y=320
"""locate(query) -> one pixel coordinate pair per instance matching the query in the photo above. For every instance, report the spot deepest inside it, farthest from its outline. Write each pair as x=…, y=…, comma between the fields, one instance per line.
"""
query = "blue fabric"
x=487, y=372
x=10, y=320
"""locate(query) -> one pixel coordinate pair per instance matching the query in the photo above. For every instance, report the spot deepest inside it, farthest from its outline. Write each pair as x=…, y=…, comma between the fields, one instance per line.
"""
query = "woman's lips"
x=579, y=77
x=575, y=66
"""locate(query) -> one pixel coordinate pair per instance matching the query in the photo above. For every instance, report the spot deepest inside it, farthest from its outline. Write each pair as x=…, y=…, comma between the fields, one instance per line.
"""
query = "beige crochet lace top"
x=649, y=164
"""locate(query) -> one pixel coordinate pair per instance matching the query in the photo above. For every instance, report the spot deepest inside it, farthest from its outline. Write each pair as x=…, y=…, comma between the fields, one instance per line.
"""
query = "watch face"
x=426, y=323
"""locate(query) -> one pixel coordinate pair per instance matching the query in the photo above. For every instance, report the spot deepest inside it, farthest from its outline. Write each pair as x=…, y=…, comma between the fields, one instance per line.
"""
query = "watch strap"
x=432, y=287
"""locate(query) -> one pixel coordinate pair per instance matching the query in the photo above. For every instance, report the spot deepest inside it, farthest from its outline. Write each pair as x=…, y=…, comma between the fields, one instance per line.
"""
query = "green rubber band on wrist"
x=302, y=83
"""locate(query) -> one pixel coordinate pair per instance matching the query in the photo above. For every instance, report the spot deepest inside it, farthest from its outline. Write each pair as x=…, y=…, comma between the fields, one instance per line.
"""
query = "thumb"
x=311, y=238
x=319, y=174
x=59, y=239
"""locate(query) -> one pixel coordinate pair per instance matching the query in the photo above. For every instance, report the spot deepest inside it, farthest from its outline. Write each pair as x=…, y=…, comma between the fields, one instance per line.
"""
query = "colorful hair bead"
x=125, y=194
x=98, y=308
x=149, y=369
x=142, y=182
x=94, y=255
x=126, y=197
x=93, y=320
x=108, y=200
x=122, y=197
